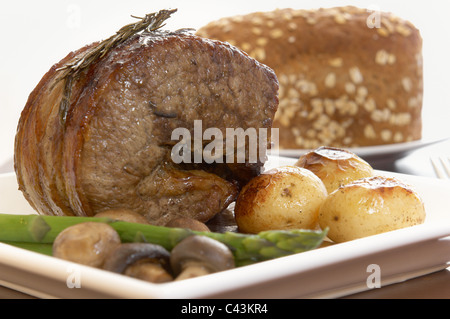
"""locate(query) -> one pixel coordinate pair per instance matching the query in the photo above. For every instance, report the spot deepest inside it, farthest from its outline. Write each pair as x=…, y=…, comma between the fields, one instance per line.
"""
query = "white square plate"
x=328, y=272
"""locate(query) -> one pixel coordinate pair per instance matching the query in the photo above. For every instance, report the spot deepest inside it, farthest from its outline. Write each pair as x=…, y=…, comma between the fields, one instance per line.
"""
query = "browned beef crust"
x=113, y=149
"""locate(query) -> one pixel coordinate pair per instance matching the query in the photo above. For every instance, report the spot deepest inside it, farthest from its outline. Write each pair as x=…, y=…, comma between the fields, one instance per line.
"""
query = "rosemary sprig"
x=71, y=71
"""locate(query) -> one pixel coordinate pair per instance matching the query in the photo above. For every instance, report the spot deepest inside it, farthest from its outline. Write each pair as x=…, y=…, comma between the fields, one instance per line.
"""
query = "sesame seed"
x=287, y=16
x=284, y=120
x=227, y=28
x=352, y=107
x=290, y=112
x=330, y=80
x=296, y=131
x=360, y=100
x=398, y=137
x=317, y=106
x=400, y=119
x=276, y=33
x=413, y=102
x=259, y=54
x=283, y=79
x=271, y=14
x=381, y=57
x=355, y=75
x=311, y=20
x=283, y=104
x=311, y=133
x=261, y=41
x=246, y=46
x=383, y=32
x=387, y=24
x=292, y=79
x=293, y=93
x=321, y=121
x=386, y=135
x=347, y=122
x=313, y=91
x=237, y=18
x=257, y=31
x=380, y=115
x=340, y=19
x=292, y=26
x=369, y=131
x=350, y=88
x=306, y=87
x=329, y=106
x=362, y=91
x=407, y=84
x=257, y=21
x=299, y=140
x=391, y=104
x=403, y=30
x=392, y=59
x=347, y=140
x=370, y=105
x=336, y=62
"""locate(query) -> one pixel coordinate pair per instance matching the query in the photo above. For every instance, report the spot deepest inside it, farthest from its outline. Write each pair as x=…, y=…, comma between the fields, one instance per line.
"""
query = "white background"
x=37, y=34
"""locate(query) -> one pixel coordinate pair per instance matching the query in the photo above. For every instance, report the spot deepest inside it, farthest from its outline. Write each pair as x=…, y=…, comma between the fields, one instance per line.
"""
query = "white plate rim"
x=399, y=149
x=101, y=283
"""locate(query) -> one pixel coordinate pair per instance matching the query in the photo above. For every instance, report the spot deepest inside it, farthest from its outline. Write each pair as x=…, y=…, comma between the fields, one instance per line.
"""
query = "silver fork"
x=441, y=167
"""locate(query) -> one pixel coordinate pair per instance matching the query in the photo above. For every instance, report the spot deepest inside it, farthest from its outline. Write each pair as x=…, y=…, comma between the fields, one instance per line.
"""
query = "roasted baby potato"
x=282, y=198
x=370, y=206
x=334, y=166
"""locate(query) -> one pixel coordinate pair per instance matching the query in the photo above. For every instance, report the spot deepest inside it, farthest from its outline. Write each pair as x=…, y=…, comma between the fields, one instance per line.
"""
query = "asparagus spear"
x=26, y=230
x=43, y=248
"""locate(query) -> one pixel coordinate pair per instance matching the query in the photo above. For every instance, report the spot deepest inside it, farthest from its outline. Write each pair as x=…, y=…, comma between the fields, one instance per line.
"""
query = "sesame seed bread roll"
x=348, y=77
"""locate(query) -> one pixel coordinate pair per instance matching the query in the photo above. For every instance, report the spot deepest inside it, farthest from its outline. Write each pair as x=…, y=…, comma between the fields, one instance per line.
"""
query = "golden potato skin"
x=334, y=166
x=287, y=197
x=370, y=206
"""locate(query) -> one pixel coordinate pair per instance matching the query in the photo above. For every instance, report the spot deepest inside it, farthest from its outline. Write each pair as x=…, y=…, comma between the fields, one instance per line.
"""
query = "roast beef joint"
x=100, y=138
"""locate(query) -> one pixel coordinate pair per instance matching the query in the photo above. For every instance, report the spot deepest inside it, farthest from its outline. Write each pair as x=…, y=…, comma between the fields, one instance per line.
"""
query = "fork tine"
x=441, y=167
x=446, y=164
x=437, y=168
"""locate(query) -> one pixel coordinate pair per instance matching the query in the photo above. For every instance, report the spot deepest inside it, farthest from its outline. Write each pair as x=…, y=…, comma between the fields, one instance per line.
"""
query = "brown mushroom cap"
x=127, y=254
x=86, y=243
x=201, y=250
x=123, y=214
x=189, y=223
